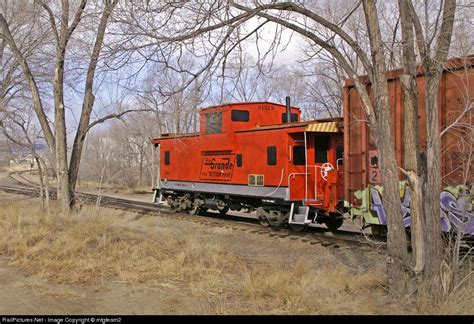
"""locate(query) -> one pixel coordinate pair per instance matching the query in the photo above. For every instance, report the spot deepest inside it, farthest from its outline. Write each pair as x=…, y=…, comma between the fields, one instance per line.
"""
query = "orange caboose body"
x=248, y=156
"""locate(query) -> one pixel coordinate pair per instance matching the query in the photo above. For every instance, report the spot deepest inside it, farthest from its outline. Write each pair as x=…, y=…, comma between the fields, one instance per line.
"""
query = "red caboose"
x=248, y=156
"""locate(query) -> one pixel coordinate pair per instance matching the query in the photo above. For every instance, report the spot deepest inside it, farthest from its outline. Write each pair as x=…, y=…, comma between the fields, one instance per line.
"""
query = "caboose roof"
x=328, y=125
x=305, y=124
x=254, y=103
x=172, y=136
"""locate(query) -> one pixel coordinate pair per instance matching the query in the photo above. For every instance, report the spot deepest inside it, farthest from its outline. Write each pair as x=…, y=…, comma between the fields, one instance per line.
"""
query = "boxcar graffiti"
x=456, y=209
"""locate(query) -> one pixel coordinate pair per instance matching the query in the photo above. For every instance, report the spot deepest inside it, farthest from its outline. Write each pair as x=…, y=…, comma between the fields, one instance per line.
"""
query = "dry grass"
x=303, y=290
x=96, y=246
x=139, y=191
x=86, y=248
x=111, y=187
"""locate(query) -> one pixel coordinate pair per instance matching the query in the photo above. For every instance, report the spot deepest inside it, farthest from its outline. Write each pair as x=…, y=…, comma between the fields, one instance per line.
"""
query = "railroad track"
x=313, y=235
x=24, y=182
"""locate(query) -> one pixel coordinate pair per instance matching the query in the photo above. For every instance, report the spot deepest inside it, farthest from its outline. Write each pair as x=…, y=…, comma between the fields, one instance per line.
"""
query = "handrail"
x=281, y=179
x=315, y=180
x=337, y=163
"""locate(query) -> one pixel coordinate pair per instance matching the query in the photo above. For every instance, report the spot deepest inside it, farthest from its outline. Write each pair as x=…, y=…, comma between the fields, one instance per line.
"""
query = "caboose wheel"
x=298, y=227
x=224, y=210
x=333, y=223
x=264, y=221
x=196, y=210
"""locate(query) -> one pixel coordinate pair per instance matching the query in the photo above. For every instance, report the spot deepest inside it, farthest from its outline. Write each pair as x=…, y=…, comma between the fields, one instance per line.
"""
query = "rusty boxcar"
x=363, y=194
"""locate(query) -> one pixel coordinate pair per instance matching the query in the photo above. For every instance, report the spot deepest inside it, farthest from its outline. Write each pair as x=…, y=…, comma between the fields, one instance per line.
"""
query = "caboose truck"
x=256, y=156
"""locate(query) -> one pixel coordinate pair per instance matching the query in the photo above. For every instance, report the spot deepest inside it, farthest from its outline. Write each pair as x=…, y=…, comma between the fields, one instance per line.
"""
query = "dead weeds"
x=94, y=246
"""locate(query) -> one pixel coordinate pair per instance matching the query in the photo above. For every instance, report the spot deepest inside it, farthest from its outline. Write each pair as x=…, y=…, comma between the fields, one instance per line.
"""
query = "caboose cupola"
x=242, y=116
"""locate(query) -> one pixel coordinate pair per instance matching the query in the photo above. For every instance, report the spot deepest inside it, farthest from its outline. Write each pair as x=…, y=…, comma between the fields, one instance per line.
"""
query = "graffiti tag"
x=455, y=208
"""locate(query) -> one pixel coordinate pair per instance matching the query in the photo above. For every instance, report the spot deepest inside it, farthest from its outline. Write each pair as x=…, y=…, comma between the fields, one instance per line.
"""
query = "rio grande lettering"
x=218, y=168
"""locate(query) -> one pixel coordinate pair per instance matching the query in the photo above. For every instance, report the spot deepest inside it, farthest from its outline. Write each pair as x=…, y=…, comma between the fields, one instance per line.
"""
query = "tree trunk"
x=412, y=170
x=396, y=241
x=433, y=72
x=433, y=238
x=140, y=176
x=411, y=137
x=433, y=68
x=397, y=261
x=41, y=189
x=88, y=102
x=64, y=197
x=44, y=184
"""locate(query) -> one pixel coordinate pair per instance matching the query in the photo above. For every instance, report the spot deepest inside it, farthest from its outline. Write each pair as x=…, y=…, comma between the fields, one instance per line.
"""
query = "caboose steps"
x=299, y=215
x=158, y=197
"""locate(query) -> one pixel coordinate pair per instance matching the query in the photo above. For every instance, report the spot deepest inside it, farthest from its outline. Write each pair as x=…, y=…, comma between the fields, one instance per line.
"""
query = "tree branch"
x=114, y=116
x=446, y=32
x=420, y=38
x=37, y=103
x=52, y=21
x=293, y=7
x=77, y=19
x=468, y=108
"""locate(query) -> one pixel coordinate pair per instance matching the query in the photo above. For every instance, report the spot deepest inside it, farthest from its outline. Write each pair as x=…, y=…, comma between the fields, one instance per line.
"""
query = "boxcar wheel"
x=378, y=230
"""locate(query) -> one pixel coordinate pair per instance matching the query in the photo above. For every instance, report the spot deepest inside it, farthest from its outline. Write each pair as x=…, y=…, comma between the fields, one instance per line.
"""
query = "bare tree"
x=13, y=87
x=62, y=28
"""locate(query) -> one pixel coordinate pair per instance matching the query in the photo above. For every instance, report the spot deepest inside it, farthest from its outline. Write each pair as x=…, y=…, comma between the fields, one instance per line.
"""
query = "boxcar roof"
x=450, y=65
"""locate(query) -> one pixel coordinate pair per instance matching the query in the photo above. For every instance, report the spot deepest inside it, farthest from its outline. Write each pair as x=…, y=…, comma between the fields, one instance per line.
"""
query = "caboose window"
x=240, y=115
x=322, y=148
x=299, y=156
x=294, y=118
x=271, y=155
x=214, y=122
x=167, y=157
x=239, y=160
